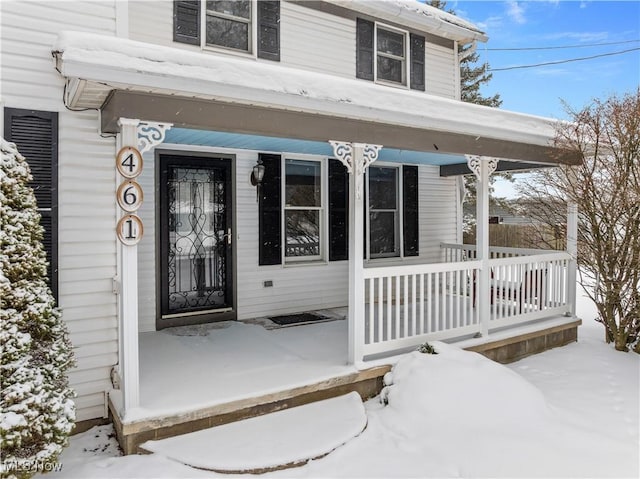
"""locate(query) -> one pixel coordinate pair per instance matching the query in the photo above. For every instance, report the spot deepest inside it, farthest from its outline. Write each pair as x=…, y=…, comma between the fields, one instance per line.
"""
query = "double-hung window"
x=303, y=210
x=239, y=26
x=383, y=195
x=228, y=24
x=391, y=55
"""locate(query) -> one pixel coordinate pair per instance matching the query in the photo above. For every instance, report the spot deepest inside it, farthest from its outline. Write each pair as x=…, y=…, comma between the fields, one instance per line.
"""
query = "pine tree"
x=36, y=409
x=472, y=74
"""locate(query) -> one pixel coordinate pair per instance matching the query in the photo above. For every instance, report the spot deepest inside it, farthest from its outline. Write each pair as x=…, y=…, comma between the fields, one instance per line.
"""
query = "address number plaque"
x=129, y=195
x=130, y=230
x=129, y=162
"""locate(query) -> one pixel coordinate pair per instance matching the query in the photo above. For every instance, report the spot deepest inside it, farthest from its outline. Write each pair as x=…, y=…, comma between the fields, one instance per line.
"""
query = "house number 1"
x=130, y=230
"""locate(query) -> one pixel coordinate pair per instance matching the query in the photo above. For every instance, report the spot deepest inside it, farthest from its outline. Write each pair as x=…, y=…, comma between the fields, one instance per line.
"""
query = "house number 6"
x=129, y=196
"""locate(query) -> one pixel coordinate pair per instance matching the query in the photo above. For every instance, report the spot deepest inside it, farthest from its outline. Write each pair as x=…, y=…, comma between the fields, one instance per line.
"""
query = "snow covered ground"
x=569, y=412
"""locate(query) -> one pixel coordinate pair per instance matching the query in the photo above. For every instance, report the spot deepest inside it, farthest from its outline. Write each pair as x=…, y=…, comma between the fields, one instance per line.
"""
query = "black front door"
x=195, y=240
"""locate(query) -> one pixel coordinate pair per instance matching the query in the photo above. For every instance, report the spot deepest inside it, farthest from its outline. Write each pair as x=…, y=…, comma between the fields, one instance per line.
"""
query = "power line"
x=584, y=45
x=562, y=61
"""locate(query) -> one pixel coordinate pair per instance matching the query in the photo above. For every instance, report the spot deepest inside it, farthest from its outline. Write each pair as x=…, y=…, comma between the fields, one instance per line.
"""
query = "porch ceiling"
x=450, y=164
x=212, y=92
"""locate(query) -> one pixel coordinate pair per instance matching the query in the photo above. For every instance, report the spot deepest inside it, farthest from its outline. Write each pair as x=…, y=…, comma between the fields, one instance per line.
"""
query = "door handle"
x=228, y=236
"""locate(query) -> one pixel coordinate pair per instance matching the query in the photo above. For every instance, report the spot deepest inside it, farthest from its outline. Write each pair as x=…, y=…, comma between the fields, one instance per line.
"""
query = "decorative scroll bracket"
x=474, y=162
x=356, y=157
x=344, y=153
x=151, y=134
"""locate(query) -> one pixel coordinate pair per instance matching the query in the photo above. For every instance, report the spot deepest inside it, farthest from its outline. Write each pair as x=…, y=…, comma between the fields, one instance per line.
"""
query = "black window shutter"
x=338, y=211
x=410, y=210
x=186, y=21
x=364, y=49
x=417, y=62
x=35, y=133
x=269, y=212
x=269, y=30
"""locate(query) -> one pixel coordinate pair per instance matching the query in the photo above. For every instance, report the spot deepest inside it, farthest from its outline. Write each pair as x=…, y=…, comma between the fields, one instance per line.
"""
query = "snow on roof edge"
x=290, y=88
x=424, y=15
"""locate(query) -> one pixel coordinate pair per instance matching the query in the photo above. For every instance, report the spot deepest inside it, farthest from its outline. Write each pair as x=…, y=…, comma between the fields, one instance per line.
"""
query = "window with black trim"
x=245, y=26
x=228, y=24
x=384, y=211
x=392, y=211
x=303, y=210
x=391, y=55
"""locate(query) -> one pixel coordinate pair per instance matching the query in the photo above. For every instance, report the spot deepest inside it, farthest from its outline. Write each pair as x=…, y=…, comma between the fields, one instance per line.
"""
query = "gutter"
x=392, y=10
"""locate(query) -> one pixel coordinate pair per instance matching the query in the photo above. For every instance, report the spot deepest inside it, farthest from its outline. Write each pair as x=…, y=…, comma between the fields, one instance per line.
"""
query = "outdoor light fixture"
x=257, y=174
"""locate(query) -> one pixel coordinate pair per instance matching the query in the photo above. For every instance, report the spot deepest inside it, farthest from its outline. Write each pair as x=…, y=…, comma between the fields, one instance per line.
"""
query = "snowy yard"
x=569, y=412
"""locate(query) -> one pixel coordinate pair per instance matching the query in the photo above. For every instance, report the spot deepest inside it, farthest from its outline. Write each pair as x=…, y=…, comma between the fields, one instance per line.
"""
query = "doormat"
x=299, y=318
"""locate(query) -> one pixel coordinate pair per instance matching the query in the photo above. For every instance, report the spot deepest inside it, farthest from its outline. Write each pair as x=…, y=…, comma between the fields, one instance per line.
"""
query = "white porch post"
x=128, y=321
x=483, y=167
x=572, y=249
x=142, y=136
x=356, y=157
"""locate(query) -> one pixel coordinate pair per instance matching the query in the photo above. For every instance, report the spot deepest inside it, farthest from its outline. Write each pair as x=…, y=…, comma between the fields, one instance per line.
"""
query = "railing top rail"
x=535, y=258
x=501, y=249
x=382, y=271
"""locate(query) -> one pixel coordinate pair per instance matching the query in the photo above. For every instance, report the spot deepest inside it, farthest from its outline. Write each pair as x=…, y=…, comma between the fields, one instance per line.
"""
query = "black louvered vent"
x=338, y=211
x=186, y=22
x=410, y=210
x=364, y=49
x=35, y=133
x=269, y=212
x=269, y=30
x=417, y=62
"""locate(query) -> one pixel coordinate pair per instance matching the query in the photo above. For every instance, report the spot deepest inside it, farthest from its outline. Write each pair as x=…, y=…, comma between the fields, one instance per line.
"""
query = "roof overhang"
x=124, y=78
x=417, y=15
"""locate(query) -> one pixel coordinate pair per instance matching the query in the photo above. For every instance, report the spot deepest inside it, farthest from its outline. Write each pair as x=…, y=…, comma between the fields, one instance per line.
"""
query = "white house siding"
x=440, y=70
x=437, y=212
x=317, y=41
x=86, y=184
x=147, y=248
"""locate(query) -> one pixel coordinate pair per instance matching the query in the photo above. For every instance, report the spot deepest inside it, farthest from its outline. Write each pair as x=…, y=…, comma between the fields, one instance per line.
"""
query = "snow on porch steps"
x=274, y=441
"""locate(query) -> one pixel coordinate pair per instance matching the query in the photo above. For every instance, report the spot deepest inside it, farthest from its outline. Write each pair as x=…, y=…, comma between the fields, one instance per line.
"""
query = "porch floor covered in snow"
x=196, y=377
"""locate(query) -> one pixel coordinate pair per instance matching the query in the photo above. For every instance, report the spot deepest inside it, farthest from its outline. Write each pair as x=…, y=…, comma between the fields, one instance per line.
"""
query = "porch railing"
x=406, y=305
x=525, y=283
x=409, y=304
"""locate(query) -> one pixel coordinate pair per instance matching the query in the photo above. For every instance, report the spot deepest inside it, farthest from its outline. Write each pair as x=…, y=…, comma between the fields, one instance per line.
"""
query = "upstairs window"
x=244, y=26
x=391, y=55
x=229, y=24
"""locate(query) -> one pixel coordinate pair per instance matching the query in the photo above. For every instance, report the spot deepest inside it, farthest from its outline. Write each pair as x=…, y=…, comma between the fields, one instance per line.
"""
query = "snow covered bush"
x=36, y=410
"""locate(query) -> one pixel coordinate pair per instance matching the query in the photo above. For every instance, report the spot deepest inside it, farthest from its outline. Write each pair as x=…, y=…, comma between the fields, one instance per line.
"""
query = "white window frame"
x=399, y=209
x=253, y=31
x=406, y=73
x=322, y=216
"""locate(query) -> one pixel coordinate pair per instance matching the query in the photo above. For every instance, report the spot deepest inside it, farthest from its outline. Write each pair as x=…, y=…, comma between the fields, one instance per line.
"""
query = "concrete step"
x=278, y=440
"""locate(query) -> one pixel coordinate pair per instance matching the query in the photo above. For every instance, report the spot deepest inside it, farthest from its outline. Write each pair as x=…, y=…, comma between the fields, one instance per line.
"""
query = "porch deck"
x=201, y=376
